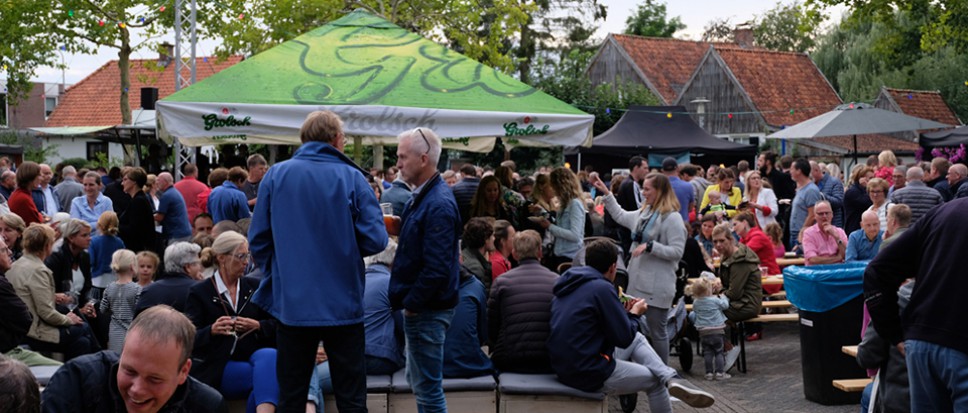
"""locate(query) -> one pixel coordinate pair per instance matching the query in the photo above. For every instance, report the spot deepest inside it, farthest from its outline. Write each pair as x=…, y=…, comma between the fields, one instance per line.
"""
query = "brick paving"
x=774, y=382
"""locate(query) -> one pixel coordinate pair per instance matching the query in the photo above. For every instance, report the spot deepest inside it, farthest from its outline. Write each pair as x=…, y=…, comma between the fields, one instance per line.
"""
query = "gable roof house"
x=925, y=104
x=87, y=120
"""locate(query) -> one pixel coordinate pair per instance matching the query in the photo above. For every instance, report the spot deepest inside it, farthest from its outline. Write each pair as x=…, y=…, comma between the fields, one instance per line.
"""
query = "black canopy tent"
x=945, y=138
x=645, y=130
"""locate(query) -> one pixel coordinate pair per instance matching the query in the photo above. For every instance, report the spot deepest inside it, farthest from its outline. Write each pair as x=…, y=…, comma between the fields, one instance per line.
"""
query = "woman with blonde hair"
x=234, y=342
x=34, y=284
x=761, y=199
x=658, y=243
x=103, y=247
x=877, y=190
x=12, y=230
x=569, y=229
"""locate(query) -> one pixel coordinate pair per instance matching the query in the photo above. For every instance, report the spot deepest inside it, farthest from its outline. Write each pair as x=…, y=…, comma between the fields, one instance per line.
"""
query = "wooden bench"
x=476, y=395
x=773, y=318
x=543, y=393
x=377, y=401
x=766, y=304
x=852, y=385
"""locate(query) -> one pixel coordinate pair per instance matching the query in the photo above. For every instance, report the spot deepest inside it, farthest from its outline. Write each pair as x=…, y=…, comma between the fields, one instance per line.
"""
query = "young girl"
x=707, y=316
x=103, y=247
x=147, y=267
x=121, y=297
x=775, y=232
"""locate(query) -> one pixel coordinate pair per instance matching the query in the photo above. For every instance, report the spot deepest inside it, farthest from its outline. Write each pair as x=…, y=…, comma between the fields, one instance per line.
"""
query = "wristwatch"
x=648, y=247
x=840, y=241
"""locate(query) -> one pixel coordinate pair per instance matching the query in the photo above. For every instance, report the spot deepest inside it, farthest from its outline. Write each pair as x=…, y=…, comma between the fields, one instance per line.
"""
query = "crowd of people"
x=239, y=288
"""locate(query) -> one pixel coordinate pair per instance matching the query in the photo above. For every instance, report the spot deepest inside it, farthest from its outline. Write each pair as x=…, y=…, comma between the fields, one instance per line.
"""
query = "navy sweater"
x=587, y=323
x=930, y=251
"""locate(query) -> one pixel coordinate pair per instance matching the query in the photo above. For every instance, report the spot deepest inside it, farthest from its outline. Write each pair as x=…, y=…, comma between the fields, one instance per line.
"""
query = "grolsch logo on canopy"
x=528, y=128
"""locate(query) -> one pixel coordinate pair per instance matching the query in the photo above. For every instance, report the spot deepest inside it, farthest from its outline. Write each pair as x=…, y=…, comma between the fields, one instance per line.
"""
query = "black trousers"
x=297, y=358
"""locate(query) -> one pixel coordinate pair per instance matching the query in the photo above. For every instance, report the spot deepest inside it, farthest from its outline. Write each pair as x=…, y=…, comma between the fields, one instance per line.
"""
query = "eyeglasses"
x=243, y=257
x=425, y=140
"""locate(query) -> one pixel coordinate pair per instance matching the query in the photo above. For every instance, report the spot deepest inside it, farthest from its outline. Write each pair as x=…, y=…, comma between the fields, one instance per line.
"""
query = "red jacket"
x=22, y=204
x=757, y=241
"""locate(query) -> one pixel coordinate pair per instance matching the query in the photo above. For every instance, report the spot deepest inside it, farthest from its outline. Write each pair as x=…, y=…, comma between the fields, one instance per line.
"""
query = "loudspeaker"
x=149, y=95
x=755, y=141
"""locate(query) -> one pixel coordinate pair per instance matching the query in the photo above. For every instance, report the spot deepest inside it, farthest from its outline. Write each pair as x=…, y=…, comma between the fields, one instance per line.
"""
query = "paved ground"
x=774, y=382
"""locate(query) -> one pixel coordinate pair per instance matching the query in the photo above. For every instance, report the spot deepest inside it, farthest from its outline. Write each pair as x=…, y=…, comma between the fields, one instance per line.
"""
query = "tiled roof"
x=870, y=143
x=95, y=101
x=667, y=62
x=777, y=82
x=926, y=104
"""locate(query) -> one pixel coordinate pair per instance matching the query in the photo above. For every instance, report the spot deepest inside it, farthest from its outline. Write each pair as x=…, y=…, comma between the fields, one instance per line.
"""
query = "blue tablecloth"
x=820, y=288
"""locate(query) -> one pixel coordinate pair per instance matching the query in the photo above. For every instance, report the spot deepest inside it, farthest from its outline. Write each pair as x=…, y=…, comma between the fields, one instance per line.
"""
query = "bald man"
x=863, y=244
x=916, y=194
x=823, y=242
x=172, y=212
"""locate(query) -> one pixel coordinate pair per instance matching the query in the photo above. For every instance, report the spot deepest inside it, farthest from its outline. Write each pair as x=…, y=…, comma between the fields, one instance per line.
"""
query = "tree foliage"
x=790, y=27
x=865, y=52
x=25, y=47
x=480, y=30
x=941, y=23
x=650, y=19
x=556, y=25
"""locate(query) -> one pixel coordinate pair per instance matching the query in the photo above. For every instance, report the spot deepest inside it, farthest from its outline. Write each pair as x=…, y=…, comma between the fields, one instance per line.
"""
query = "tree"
x=786, y=27
x=479, y=30
x=81, y=26
x=24, y=48
x=947, y=25
x=790, y=28
x=556, y=26
x=650, y=20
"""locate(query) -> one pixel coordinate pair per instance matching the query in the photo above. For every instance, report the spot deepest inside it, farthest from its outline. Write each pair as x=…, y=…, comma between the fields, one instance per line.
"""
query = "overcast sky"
x=694, y=13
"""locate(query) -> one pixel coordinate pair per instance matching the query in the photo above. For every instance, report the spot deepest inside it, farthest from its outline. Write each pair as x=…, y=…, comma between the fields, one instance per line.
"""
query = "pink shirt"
x=819, y=244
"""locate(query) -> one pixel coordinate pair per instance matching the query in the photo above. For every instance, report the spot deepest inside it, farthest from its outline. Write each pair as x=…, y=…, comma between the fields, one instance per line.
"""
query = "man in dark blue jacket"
x=426, y=269
x=464, y=191
x=316, y=219
x=931, y=332
x=594, y=343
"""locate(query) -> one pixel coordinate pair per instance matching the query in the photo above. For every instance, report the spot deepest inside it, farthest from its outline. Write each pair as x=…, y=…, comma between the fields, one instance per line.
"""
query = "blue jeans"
x=938, y=377
x=255, y=378
x=425, y=334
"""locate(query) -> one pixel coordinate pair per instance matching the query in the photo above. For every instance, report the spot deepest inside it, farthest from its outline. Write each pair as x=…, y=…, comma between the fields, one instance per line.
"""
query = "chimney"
x=165, y=53
x=743, y=36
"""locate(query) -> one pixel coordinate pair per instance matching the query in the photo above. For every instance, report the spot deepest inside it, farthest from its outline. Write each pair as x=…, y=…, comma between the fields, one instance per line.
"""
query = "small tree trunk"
x=124, y=65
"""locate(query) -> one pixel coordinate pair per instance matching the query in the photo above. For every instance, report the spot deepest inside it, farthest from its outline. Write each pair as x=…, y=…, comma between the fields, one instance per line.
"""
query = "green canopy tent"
x=381, y=79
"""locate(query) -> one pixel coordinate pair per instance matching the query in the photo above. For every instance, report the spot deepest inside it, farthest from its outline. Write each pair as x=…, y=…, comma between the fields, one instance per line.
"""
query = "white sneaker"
x=689, y=395
x=722, y=376
x=709, y=376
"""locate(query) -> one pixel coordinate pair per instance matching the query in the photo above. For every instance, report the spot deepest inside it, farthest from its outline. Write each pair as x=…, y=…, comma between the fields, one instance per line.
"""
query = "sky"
x=694, y=13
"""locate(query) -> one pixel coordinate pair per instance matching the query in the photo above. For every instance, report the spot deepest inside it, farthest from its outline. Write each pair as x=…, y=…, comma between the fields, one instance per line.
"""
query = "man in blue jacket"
x=426, y=269
x=315, y=221
x=594, y=343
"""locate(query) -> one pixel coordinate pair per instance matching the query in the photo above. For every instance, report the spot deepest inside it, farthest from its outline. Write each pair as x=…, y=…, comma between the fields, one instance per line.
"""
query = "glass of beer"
x=391, y=221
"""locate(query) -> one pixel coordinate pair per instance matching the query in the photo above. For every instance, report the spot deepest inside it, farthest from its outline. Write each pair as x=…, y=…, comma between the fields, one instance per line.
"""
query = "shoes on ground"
x=688, y=394
x=709, y=376
x=754, y=337
x=722, y=376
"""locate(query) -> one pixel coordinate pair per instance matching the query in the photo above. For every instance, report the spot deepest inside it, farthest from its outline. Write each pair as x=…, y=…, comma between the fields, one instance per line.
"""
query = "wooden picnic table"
x=786, y=262
x=772, y=280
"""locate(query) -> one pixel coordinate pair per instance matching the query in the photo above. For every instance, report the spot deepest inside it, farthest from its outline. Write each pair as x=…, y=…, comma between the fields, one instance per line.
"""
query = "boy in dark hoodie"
x=588, y=322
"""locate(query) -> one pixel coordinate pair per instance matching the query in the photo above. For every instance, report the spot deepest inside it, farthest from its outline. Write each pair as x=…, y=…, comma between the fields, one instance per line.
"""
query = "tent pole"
x=579, y=160
x=358, y=149
x=378, y=156
x=855, y=149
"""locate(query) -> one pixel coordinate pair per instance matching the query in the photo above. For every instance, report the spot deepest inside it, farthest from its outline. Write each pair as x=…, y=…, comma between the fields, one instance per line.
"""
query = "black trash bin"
x=830, y=299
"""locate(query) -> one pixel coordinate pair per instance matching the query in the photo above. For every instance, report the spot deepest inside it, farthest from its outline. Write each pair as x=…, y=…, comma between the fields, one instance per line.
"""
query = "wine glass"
x=68, y=286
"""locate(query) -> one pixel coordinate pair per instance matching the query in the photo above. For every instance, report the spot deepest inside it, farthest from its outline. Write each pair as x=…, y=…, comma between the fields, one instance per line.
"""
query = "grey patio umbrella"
x=855, y=119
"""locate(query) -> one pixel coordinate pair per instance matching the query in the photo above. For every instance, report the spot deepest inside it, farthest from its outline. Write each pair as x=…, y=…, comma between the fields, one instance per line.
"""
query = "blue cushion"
x=483, y=383
x=43, y=373
x=547, y=384
x=378, y=384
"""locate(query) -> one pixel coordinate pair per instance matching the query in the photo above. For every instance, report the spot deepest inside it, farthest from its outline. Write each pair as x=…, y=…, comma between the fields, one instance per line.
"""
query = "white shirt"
x=638, y=194
x=51, y=203
x=223, y=291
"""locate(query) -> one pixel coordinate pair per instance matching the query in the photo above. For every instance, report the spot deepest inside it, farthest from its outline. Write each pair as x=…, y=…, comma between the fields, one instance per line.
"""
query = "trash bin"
x=830, y=301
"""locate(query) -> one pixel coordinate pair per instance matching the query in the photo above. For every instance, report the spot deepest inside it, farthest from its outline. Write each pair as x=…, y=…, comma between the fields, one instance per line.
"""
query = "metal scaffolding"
x=185, y=38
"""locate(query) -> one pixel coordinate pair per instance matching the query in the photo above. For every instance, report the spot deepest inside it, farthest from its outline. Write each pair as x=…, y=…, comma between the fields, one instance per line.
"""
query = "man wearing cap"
x=683, y=189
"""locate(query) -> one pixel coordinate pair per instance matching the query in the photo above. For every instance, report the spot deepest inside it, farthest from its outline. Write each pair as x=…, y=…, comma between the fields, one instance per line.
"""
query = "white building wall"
x=76, y=147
